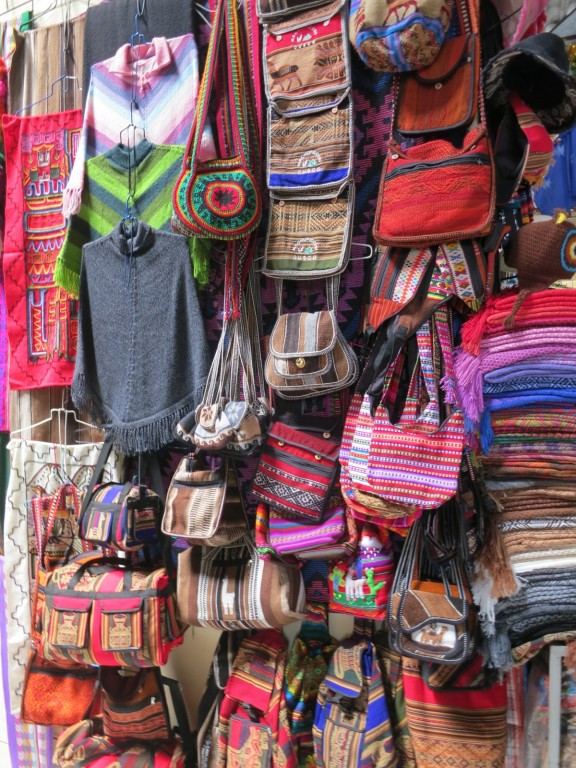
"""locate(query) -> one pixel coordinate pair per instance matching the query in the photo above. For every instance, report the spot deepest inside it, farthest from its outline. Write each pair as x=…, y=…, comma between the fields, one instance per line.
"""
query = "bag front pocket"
x=68, y=622
x=120, y=624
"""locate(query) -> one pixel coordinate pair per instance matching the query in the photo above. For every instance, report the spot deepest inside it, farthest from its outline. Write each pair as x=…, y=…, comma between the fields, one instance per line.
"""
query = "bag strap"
x=225, y=24
x=332, y=293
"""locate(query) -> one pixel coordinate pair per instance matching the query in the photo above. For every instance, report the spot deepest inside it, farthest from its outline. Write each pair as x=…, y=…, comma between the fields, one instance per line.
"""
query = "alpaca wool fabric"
x=142, y=353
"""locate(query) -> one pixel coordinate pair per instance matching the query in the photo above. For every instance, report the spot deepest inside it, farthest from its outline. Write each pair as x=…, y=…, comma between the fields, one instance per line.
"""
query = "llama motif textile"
x=42, y=318
x=35, y=467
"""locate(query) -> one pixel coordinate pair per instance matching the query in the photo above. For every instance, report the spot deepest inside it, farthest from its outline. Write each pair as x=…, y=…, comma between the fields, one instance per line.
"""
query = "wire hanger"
x=63, y=78
x=53, y=412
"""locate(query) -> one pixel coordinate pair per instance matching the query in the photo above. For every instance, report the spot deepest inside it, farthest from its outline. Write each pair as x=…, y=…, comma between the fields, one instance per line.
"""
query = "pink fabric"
x=521, y=18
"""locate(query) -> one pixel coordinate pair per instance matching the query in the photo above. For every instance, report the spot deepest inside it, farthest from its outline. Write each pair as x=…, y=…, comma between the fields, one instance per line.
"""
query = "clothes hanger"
x=61, y=79
x=53, y=412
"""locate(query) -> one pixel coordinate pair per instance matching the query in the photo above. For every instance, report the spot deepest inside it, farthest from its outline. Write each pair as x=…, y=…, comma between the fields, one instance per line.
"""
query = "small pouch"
x=297, y=470
x=307, y=54
x=309, y=238
x=443, y=96
x=361, y=586
x=309, y=151
x=308, y=355
x=197, y=505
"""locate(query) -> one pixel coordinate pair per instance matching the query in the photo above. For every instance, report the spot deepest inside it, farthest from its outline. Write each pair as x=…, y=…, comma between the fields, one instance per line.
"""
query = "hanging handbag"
x=431, y=615
x=298, y=466
x=134, y=705
x=58, y=694
x=416, y=460
x=444, y=95
x=308, y=355
x=399, y=37
x=309, y=238
x=118, y=516
x=201, y=506
x=232, y=588
x=219, y=198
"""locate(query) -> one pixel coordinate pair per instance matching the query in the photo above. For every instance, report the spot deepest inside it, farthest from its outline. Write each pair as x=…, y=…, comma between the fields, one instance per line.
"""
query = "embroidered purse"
x=433, y=620
x=309, y=238
x=298, y=468
x=398, y=37
x=232, y=588
x=307, y=55
x=200, y=504
x=308, y=355
x=310, y=150
x=219, y=198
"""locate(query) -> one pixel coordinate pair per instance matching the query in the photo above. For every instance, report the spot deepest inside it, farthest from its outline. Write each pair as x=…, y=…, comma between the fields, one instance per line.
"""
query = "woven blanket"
x=538, y=309
x=42, y=320
x=34, y=465
x=544, y=420
x=553, y=367
x=528, y=384
x=542, y=470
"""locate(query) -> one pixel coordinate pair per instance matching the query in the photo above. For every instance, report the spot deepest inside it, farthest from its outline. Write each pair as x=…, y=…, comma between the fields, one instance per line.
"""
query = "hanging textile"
x=42, y=320
x=34, y=465
x=30, y=746
x=4, y=418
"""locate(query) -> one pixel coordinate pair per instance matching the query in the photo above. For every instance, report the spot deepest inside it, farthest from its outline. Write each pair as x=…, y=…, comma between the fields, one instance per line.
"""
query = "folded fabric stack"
x=517, y=387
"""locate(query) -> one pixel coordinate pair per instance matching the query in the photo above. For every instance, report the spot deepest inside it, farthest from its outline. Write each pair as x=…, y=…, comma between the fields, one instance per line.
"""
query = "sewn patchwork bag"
x=309, y=238
x=97, y=612
x=232, y=588
x=297, y=470
x=307, y=54
x=351, y=722
x=311, y=150
x=393, y=36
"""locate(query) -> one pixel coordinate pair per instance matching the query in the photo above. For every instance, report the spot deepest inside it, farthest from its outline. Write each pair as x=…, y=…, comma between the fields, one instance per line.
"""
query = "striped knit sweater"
x=164, y=76
x=104, y=203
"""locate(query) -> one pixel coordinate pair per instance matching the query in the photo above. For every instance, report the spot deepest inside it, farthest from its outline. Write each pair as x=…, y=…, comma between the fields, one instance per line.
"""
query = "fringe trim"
x=468, y=375
x=71, y=201
x=130, y=441
x=66, y=278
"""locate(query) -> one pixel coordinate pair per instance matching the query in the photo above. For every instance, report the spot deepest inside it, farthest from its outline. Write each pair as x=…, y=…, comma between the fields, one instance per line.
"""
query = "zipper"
x=474, y=158
x=279, y=456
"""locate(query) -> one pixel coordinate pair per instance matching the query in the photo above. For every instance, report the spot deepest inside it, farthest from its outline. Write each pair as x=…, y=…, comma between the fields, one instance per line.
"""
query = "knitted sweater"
x=142, y=354
x=156, y=169
x=165, y=80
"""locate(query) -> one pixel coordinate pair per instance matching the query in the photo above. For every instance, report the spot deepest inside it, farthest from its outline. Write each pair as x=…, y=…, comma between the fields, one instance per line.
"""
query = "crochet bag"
x=232, y=588
x=309, y=238
x=58, y=694
x=298, y=467
x=219, y=198
x=201, y=506
x=375, y=448
x=361, y=585
x=431, y=616
x=393, y=36
x=351, y=723
x=308, y=355
x=106, y=612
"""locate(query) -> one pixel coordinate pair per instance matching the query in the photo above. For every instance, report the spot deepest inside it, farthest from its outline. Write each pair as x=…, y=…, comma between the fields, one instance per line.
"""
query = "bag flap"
x=422, y=608
x=254, y=671
x=282, y=434
x=304, y=334
x=345, y=671
x=67, y=603
x=306, y=18
x=452, y=55
x=120, y=605
x=192, y=472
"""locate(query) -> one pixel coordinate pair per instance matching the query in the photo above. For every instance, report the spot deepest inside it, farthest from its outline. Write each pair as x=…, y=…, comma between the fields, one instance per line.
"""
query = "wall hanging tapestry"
x=35, y=467
x=42, y=319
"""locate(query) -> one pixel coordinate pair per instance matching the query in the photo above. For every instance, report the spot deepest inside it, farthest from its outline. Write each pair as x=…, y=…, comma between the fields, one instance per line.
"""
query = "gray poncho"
x=142, y=354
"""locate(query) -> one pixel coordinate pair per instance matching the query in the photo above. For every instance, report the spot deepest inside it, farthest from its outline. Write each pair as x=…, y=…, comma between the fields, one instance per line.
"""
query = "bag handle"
x=225, y=23
x=332, y=293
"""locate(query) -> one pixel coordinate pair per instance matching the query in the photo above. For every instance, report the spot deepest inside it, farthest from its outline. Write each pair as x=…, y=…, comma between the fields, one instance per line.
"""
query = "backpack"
x=253, y=729
x=351, y=723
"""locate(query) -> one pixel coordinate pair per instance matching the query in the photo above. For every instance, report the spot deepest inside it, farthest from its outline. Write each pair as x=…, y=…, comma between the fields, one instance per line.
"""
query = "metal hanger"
x=62, y=79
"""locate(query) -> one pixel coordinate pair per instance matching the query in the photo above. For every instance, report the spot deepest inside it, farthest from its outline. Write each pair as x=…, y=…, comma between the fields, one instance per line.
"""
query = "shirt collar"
x=141, y=242
x=157, y=54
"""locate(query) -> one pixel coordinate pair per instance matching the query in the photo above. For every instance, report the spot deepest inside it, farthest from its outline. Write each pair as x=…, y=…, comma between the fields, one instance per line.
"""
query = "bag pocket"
x=310, y=151
x=67, y=622
x=249, y=744
x=309, y=238
x=120, y=624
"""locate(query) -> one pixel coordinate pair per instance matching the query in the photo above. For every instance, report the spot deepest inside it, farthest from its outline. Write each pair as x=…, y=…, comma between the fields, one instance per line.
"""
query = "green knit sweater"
x=156, y=168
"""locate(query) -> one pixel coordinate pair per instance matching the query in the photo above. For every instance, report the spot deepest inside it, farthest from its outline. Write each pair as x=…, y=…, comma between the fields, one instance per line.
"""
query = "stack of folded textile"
x=517, y=386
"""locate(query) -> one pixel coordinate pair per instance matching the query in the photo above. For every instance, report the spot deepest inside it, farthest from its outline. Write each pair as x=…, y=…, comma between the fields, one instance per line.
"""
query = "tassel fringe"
x=67, y=279
x=71, y=201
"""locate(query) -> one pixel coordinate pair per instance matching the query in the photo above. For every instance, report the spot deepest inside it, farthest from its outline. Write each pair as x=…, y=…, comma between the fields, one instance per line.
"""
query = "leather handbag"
x=134, y=705
x=107, y=612
x=201, y=506
x=308, y=355
x=58, y=694
x=414, y=460
x=432, y=618
x=232, y=588
x=399, y=37
x=309, y=238
x=219, y=198
x=298, y=467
